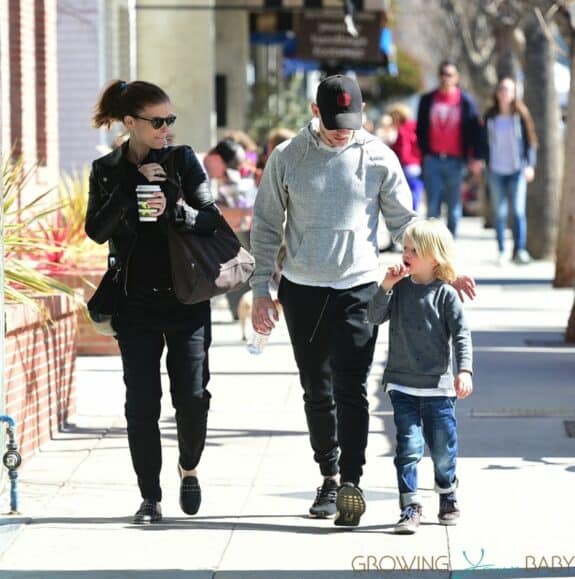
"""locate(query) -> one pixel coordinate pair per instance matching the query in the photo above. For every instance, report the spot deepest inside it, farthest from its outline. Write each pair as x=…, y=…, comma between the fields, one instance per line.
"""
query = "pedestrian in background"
x=407, y=149
x=385, y=130
x=510, y=156
x=449, y=136
x=274, y=138
x=149, y=316
x=426, y=319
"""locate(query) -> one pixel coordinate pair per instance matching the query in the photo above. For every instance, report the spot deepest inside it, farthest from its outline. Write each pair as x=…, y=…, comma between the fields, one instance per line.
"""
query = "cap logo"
x=344, y=99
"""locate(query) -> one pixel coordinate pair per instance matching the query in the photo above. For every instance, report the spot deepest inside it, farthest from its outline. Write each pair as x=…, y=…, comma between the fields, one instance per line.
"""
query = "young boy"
x=426, y=319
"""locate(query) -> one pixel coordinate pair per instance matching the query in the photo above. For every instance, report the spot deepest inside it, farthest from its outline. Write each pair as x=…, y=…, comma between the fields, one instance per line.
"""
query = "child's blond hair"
x=432, y=239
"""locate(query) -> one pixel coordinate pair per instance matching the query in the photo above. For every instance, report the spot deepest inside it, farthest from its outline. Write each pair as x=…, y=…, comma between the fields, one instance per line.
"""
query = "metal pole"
x=2, y=309
x=133, y=39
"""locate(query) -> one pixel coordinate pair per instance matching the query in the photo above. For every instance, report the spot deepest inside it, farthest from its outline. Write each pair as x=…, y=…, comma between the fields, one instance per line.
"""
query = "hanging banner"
x=322, y=36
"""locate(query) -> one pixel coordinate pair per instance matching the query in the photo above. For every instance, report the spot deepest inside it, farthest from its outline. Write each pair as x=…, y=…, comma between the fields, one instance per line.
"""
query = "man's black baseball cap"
x=340, y=103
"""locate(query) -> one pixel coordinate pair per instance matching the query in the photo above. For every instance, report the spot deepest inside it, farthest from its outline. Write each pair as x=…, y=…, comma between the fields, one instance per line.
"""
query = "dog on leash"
x=246, y=301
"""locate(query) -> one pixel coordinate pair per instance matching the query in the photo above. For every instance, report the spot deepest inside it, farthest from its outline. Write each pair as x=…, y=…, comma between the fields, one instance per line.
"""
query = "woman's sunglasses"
x=158, y=122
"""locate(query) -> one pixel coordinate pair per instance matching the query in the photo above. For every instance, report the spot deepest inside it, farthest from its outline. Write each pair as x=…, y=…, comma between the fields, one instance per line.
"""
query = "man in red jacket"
x=449, y=135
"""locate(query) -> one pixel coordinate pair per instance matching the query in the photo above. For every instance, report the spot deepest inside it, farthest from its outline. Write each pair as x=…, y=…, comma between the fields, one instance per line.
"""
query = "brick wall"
x=4, y=78
x=29, y=79
x=40, y=392
x=89, y=342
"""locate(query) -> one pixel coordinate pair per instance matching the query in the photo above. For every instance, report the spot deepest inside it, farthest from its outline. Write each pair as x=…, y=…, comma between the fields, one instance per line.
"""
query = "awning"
x=267, y=5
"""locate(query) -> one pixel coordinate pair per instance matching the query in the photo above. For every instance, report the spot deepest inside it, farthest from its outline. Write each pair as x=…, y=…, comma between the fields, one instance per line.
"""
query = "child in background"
x=407, y=150
x=426, y=318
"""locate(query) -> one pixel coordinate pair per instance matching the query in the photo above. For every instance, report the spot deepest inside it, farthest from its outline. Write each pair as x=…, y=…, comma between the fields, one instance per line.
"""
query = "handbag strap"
x=169, y=164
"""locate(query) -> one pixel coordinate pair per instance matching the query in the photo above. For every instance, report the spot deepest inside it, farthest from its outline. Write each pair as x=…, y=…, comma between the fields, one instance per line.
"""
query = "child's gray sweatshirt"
x=424, y=321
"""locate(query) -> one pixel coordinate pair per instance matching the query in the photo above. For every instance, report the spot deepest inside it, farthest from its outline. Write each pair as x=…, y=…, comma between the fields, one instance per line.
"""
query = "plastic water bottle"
x=258, y=341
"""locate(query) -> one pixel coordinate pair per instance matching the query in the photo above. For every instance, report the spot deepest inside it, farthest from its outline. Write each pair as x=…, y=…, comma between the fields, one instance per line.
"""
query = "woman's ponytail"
x=109, y=107
x=122, y=98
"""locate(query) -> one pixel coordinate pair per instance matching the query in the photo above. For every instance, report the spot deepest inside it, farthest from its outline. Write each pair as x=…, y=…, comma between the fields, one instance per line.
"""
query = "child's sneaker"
x=448, y=509
x=409, y=520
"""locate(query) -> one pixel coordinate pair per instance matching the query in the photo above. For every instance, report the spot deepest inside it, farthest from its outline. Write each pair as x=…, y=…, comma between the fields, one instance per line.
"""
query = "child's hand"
x=394, y=274
x=463, y=385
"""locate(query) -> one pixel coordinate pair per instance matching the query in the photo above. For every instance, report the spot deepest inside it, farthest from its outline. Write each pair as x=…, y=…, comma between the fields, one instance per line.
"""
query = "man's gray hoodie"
x=332, y=197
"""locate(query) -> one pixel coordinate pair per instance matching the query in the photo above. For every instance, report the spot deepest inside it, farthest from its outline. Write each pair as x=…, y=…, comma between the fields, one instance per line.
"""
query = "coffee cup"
x=144, y=194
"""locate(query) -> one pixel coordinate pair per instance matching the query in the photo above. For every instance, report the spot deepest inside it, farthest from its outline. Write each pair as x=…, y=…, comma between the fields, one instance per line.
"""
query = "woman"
x=148, y=314
x=510, y=155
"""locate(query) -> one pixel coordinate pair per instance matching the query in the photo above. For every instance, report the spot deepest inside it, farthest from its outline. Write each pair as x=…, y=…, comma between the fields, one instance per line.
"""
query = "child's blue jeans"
x=420, y=420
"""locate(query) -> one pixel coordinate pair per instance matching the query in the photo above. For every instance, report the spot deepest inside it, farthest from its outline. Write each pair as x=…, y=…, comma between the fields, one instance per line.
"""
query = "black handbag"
x=204, y=266
x=103, y=304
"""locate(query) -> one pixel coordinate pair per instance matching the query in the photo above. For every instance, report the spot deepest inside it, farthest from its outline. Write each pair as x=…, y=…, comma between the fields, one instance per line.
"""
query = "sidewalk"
x=517, y=465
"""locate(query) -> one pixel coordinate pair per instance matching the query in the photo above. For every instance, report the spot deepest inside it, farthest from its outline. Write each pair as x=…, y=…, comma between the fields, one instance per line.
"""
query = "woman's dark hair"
x=517, y=106
x=122, y=98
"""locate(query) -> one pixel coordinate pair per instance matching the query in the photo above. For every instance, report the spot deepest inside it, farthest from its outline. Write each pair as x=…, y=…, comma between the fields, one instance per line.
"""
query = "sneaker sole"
x=350, y=506
x=448, y=522
x=317, y=516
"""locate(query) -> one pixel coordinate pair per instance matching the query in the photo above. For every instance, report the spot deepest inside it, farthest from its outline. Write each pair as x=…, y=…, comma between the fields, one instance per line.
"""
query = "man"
x=330, y=182
x=448, y=133
x=337, y=178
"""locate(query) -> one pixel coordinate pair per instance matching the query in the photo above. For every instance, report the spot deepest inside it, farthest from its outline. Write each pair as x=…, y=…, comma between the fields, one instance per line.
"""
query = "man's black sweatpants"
x=333, y=347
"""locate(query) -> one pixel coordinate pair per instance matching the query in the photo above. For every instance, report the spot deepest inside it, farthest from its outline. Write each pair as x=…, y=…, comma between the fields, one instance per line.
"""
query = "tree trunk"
x=507, y=64
x=570, y=333
x=541, y=99
x=565, y=262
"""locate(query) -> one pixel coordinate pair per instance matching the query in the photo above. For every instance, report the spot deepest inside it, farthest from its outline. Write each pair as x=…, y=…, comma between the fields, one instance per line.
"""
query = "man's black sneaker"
x=190, y=495
x=149, y=512
x=409, y=520
x=324, y=504
x=448, y=509
x=350, y=504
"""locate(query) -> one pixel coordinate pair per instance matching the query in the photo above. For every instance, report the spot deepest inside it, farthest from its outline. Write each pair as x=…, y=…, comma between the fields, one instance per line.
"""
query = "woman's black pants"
x=146, y=323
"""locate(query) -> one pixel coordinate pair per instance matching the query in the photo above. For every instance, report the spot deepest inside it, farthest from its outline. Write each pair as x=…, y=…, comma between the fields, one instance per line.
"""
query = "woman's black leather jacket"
x=112, y=214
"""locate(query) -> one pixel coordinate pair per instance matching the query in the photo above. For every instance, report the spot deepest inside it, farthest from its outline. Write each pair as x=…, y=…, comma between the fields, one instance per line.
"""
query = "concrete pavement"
x=517, y=465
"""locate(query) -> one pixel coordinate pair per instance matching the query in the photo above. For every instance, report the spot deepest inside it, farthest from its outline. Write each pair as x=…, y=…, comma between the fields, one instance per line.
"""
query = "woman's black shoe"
x=149, y=512
x=190, y=495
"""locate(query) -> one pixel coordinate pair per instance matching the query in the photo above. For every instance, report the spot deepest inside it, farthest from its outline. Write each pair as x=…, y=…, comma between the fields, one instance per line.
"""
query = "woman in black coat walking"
x=149, y=316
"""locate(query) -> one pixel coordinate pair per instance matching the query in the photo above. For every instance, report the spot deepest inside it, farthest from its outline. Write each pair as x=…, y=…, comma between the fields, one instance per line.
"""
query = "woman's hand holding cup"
x=158, y=202
x=151, y=202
